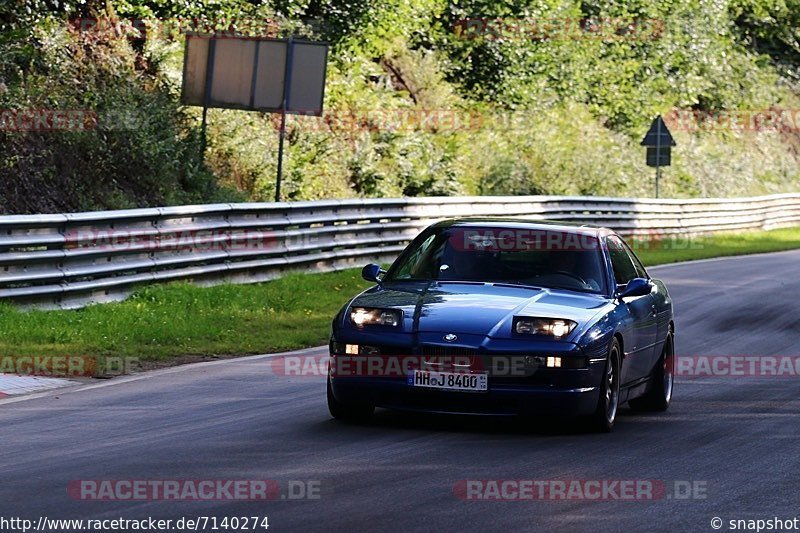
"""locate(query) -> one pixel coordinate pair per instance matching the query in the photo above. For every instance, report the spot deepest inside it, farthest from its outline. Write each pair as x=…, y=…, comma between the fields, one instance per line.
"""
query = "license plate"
x=458, y=381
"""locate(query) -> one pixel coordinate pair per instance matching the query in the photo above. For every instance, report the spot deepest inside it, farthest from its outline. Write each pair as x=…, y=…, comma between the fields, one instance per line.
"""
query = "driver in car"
x=569, y=261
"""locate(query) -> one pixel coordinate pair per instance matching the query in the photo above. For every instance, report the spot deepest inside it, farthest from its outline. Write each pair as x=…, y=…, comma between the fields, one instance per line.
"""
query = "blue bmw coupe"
x=506, y=317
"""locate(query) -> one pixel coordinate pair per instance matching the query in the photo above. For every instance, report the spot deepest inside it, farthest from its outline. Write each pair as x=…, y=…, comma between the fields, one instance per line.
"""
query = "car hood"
x=477, y=308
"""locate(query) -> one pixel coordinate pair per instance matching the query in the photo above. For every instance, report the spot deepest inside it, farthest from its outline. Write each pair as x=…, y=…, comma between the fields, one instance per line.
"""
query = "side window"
x=414, y=264
x=640, y=271
x=624, y=271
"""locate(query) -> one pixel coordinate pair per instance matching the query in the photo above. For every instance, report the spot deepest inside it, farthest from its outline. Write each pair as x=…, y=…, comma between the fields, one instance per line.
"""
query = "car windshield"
x=542, y=258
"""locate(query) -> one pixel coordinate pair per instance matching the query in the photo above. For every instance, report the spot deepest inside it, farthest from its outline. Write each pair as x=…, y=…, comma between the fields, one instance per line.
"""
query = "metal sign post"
x=658, y=155
x=206, y=99
x=287, y=87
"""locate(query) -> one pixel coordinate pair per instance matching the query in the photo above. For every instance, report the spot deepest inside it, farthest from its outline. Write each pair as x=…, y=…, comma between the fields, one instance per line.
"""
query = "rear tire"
x=608, y=403
x=348, y=412
x=659, y=396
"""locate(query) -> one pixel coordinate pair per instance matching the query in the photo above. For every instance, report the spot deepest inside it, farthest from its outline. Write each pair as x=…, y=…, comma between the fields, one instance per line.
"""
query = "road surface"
x=733, y=441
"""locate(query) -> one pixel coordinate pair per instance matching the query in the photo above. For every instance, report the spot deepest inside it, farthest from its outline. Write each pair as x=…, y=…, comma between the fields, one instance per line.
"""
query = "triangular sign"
x=658, y=134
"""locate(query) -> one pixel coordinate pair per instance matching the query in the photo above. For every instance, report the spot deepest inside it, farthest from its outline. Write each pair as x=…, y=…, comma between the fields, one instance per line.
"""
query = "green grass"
x=726, y=244
x=170, y=322
x=166, y=321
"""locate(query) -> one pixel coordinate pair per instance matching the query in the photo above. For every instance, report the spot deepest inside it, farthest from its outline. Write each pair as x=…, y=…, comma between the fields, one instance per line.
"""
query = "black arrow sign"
x=658, y=135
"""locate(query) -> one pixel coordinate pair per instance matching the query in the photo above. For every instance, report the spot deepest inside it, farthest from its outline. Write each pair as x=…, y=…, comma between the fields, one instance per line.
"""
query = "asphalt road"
x=733, y=439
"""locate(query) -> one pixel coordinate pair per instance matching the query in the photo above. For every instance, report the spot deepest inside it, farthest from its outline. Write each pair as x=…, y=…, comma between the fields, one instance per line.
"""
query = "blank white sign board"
x=251, y=74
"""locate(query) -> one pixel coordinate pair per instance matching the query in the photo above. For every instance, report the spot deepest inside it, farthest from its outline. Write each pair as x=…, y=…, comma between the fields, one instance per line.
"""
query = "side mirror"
x=636, y=287
x=371, y=273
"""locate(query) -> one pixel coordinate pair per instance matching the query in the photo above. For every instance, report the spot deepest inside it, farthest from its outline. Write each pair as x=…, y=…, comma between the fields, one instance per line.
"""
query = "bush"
x=544, y=115
x=132, y=148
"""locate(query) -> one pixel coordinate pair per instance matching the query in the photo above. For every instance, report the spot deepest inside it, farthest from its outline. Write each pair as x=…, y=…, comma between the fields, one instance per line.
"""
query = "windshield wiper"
x=515, y=284
x=574, y=289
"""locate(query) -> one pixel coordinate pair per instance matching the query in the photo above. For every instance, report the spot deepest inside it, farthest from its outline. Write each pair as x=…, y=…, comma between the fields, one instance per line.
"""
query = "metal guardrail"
x=70, y=260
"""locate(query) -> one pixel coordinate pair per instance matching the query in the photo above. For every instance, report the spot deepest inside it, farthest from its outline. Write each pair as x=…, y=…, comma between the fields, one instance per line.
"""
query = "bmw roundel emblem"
x=450, y=337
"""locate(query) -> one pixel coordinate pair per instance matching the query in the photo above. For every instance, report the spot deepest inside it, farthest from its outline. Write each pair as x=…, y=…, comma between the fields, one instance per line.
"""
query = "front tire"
x=348, y=412
x=659, y=396
x=608, y=403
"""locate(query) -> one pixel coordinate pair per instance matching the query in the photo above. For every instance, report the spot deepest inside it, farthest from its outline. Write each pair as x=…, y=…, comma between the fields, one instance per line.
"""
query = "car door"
x=662, y=307
x=637, y=315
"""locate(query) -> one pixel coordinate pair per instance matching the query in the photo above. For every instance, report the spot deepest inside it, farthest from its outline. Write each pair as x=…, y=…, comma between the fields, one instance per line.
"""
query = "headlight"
x=364, y=316
x=553, y=327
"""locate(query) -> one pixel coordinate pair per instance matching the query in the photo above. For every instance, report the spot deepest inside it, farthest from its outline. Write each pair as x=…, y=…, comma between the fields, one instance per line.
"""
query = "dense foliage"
x=424, y=97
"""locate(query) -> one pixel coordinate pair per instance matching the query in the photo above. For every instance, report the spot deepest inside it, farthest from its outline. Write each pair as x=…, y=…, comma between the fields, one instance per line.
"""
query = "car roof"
x=521, y=223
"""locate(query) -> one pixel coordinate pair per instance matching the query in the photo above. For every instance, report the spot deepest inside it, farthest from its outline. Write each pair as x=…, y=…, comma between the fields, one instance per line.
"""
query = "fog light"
x=351, y=349
x=553, y=362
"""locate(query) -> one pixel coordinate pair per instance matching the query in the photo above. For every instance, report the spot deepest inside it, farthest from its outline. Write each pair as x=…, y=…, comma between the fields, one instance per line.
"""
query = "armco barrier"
x=69, y=260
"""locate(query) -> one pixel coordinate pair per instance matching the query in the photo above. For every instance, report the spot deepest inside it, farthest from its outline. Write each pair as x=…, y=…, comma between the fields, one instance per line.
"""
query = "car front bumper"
x=499, y=399
x=522, y=385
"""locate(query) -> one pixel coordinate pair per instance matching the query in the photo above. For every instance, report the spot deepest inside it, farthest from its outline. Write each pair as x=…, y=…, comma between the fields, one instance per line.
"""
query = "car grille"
x=478, y=362
x=447, y=351
x=395, y=350
x=430, y=350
